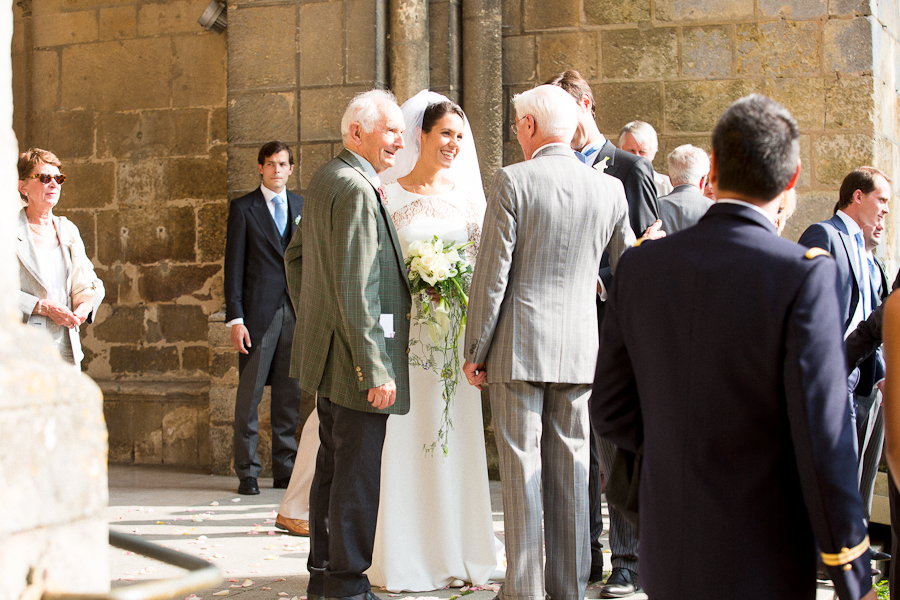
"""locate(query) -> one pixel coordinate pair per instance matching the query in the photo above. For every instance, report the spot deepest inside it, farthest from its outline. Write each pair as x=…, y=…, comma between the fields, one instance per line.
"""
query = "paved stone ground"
x=202, y=515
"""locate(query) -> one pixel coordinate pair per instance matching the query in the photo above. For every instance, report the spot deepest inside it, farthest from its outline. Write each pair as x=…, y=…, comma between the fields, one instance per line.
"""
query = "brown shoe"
x=293, y=526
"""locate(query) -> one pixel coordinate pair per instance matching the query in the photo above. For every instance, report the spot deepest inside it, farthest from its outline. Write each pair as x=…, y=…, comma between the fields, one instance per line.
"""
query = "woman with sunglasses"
x=59, y=289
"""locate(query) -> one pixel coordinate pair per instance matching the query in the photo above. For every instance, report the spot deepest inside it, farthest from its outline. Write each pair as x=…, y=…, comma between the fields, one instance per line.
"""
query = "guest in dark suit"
x=683, y=207
x=636, y=175
x=259, y=312
x=345, y=267
x=850, y=236
x=727, y=373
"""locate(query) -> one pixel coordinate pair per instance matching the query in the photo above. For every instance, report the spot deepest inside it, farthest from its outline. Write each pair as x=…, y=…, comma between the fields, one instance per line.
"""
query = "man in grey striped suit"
x=532, y=337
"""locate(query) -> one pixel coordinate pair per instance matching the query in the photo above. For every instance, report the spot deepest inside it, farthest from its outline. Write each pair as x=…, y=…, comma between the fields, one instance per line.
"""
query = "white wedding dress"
x=434, y=516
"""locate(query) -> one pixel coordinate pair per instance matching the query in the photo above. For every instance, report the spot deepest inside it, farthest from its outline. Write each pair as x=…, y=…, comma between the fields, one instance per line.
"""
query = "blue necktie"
x=865, y=286
x=280, y=214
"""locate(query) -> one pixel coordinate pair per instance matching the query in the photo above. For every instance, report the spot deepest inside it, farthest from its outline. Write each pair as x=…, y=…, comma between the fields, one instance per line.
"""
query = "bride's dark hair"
x=435, y=112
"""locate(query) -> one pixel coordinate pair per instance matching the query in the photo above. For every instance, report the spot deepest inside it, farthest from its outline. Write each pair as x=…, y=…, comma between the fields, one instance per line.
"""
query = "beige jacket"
x=31, y=285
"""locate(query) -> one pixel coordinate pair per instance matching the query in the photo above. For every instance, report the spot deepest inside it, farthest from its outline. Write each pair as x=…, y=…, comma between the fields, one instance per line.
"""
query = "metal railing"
x=200, y=574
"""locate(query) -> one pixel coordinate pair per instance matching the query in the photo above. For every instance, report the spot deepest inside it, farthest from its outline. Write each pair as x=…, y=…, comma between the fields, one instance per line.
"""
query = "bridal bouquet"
x=440, y=266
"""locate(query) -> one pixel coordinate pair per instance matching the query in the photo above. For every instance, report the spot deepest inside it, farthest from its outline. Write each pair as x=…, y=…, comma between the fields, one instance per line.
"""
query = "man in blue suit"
x=258, y=310
x=727, y=373
x=850, y=236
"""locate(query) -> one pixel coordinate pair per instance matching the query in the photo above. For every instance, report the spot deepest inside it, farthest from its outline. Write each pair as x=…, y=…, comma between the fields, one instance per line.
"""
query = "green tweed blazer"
x=346, y=278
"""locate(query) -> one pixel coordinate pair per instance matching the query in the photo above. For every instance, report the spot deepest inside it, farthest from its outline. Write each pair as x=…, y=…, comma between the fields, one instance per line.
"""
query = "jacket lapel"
x=25, y=250
x=295, y=203
x=607, y=151
x=264, y=220
x=392, y=231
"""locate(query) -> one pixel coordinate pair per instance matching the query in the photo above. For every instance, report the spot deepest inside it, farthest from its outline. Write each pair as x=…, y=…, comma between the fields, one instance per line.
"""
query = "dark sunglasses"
x=46, y=177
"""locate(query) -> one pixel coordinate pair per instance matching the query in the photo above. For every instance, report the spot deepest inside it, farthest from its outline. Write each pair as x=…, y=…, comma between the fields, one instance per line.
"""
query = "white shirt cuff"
x=233, y=322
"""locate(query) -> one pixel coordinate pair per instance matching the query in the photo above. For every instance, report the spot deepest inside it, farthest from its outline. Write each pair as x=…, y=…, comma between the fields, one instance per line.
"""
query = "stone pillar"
x=445, y=37
x=409, y=48
x=482, y=97
x=53, y=536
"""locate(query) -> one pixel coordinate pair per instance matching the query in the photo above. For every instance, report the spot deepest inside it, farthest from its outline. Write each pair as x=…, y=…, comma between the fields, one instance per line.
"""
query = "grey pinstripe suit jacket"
x=345, y=269
x=532, y=307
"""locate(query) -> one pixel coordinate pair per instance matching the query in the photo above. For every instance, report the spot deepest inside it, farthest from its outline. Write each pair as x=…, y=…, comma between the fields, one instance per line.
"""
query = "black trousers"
x=343, y=499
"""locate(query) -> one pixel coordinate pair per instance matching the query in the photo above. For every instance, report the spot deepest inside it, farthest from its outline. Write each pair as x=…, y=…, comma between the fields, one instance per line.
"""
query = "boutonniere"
x=297, y=220
x=601, y=166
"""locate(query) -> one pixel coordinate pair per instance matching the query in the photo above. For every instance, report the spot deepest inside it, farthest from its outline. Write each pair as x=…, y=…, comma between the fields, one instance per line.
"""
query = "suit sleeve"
x=622, y=238
x=640, y=189
x=80, y=252
x=235, y=253
x=293, y=267
x=357, y=279
x=498, y=241
x=818, y=411
x=866, y=338
x=614, y=406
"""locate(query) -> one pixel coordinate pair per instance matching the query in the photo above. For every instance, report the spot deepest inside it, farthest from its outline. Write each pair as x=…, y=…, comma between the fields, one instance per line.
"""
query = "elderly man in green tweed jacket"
x=346, y=275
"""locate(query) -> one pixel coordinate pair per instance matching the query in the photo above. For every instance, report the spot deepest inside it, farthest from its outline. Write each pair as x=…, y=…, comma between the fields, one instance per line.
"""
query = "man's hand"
x=240, y=338
x=654, y=232
x=475, y=374
x=383, y=395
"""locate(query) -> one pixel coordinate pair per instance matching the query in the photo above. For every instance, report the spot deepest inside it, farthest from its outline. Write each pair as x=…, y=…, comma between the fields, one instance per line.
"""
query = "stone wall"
x=678, y=65
x=130, y=94
x=53, y=536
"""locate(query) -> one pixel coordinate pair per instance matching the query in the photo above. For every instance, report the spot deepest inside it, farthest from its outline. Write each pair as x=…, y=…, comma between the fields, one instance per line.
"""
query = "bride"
x=434, y=518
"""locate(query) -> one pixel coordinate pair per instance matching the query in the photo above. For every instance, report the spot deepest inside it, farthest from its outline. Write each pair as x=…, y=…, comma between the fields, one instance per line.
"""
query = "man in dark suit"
x=850, y=236
x=683, y=207
x=636, y=175
x=727, y=373
x=346, y=268
x=259, y=312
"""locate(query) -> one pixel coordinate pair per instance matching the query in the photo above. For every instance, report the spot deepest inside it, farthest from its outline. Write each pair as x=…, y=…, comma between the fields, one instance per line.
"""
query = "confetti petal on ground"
x=232, y=580
x=283, y=594
x=272, y=533
x=247, y=583
x=235, y=499
x=221, y=593
x=214, y=503
x=271, y=557
x=267, y=588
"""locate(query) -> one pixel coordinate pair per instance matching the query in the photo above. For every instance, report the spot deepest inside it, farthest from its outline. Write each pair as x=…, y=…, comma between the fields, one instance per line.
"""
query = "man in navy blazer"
x=728, y=374
x=850, y=236
x=259, y=311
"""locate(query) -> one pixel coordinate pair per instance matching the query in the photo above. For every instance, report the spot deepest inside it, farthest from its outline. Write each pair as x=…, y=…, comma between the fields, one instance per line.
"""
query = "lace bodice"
x=451, y=216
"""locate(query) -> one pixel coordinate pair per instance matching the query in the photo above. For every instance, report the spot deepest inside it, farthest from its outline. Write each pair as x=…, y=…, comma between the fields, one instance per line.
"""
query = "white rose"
x=426, y=249
x=415, y=248
x=452, y=256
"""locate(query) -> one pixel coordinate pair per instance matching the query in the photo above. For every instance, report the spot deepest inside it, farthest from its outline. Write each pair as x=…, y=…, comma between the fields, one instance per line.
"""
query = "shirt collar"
x=852, y=226
x=367, y=168
x=269, y=194
x=594, y=146
x=566, y=146
x=768, y=217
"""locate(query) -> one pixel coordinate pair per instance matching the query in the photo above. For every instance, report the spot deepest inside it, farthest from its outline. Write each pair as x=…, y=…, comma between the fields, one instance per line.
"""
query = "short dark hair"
x=756, y=144
x=860, y=178
x=575, y=84
x=274, y=148
x=437, y=111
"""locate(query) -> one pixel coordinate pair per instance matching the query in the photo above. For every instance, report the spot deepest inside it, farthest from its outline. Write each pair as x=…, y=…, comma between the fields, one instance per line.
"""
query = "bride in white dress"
x=435, y=525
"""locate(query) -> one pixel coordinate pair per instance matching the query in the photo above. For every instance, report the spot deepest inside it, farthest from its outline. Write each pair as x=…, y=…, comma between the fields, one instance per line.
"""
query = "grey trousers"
x=623, y=539
x=270, y=361
x=870, y=436
x=539, y=425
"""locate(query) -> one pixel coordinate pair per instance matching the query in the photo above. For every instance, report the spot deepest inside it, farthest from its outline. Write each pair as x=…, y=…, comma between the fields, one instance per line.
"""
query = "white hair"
x=687, y=164
x=554, y=110
x=643, y=133
x=364, y=109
